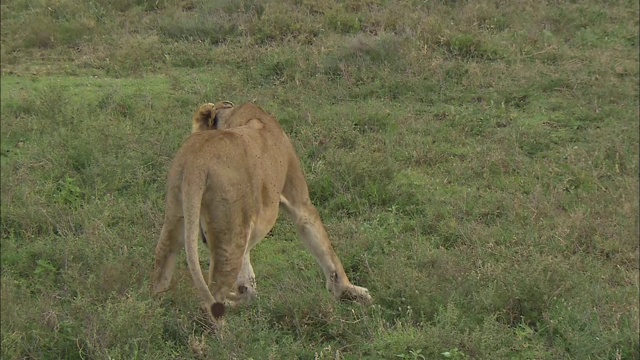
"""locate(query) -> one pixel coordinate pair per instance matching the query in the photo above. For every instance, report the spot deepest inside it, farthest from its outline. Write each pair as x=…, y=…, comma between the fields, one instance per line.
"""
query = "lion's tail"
x=192, y=193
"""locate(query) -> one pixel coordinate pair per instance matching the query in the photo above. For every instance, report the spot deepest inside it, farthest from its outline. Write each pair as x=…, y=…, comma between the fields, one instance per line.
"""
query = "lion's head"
x=206, y=118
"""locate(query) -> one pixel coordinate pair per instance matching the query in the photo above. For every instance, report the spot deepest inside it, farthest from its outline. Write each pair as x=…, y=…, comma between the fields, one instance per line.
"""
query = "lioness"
x=229, y=180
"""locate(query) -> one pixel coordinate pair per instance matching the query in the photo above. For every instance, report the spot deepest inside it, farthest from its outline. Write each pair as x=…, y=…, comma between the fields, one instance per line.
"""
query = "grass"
x=475, y=163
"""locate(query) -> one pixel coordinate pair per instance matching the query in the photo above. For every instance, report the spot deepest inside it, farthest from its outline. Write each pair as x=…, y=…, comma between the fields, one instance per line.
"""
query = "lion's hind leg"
x=169, y=245
x=244, y=289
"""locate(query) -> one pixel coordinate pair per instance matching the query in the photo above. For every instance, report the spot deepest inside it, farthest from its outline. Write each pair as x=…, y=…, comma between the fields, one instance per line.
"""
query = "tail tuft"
x=217, y=310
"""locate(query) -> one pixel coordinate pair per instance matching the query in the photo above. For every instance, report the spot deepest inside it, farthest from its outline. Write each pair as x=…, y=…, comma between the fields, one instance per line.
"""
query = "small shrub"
x=69, y=193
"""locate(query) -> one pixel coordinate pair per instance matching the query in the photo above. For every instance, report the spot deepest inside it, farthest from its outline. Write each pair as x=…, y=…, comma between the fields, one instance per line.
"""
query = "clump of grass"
x=199, y=26
x=135, y=54
x=343, y=22
x=280, y=22
x=466, y=46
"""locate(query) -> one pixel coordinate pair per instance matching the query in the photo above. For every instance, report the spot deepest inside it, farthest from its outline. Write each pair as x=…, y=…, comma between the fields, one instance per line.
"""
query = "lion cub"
x=229, y=180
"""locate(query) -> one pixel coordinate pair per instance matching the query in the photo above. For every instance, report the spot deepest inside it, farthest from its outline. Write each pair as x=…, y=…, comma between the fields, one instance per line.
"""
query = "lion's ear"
x=204, y=118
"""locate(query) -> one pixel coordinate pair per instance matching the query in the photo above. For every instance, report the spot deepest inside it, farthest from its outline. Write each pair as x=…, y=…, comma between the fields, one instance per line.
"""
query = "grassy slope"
x=476, y=165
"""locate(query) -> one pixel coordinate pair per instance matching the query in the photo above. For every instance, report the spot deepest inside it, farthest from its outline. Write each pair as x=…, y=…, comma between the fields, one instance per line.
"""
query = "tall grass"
x=476, y=165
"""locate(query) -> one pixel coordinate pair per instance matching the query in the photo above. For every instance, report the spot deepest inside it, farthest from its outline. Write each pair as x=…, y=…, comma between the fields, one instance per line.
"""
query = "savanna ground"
x=476, y=165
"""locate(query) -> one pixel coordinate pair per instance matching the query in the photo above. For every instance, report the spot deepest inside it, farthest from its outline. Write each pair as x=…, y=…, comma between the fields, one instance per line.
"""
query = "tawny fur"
x=229, y=179
x=205, y=117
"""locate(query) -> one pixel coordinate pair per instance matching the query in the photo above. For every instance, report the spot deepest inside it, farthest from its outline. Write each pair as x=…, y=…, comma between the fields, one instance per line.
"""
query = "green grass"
x=475, y=163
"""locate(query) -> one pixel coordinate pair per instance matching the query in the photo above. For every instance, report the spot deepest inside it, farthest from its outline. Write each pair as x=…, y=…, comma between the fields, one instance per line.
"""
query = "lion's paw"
x=356, y=293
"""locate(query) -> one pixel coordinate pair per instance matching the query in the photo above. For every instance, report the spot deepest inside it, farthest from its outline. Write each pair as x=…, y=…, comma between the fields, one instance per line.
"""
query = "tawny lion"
x=228, y=181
